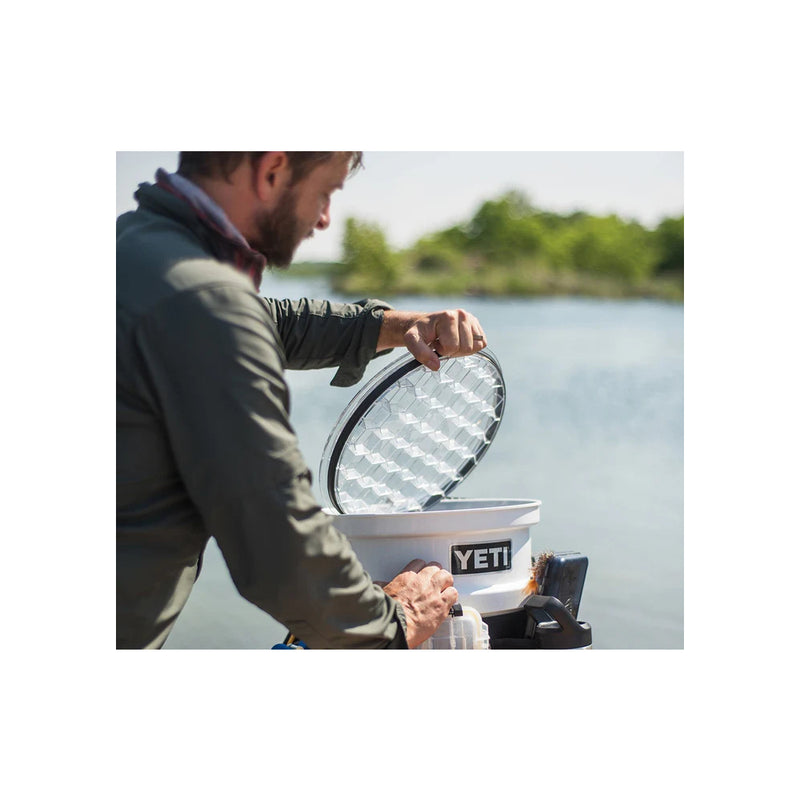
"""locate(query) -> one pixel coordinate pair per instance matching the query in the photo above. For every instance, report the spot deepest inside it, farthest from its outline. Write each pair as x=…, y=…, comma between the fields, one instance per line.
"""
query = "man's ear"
x=271, y=175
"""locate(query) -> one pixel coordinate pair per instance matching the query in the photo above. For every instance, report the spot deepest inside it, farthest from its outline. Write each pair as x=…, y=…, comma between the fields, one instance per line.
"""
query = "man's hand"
x=427, y=594
x=450, y=333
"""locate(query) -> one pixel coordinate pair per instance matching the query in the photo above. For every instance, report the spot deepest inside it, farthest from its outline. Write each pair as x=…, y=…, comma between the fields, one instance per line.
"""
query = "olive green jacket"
x=205, y=446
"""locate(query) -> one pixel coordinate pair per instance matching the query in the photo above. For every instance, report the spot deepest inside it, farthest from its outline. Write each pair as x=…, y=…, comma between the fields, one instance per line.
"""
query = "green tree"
x=506, y=229
x=511, y=247
x=367, y=261
x=669, y=240
x=611, y=246
x=454, y=238
x=435, y=254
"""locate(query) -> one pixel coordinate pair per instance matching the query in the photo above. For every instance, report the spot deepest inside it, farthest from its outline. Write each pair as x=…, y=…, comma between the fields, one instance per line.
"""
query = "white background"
x=712, y=80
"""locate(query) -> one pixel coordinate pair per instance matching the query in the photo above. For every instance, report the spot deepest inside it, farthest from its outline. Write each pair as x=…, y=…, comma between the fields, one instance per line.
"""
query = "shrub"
x=367, y=259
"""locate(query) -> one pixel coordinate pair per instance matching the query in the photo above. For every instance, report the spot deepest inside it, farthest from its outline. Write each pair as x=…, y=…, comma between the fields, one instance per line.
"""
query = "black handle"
x=551, y=626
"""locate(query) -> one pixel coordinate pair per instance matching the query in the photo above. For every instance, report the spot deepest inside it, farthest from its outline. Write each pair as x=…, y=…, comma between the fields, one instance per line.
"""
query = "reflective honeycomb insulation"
x=418, y=438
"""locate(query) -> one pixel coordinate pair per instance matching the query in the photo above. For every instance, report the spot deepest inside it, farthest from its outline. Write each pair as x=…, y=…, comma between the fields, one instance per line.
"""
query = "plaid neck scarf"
x=237, y=251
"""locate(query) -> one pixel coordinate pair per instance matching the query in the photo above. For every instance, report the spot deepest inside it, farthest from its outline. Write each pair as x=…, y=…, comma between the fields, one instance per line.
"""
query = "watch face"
x=411, y=435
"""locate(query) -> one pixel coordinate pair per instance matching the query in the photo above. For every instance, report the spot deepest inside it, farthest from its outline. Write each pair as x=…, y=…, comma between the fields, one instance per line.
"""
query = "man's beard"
x=278, y=234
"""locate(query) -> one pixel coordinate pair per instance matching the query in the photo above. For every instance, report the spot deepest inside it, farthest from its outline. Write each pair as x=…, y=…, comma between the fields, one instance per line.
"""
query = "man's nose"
x=324, y=218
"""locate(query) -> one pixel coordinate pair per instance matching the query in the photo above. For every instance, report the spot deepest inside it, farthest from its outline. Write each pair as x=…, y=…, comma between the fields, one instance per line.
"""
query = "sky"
x=410, y=194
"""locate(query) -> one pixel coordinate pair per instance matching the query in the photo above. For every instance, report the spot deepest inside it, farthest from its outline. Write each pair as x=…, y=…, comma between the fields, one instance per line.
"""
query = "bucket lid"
x=411, y=435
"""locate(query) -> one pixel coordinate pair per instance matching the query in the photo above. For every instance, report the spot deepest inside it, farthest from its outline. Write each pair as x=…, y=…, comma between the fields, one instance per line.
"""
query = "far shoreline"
x=494, y=283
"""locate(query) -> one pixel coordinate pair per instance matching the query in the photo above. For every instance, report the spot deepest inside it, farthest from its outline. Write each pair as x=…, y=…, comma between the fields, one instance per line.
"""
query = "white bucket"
x=486, y=544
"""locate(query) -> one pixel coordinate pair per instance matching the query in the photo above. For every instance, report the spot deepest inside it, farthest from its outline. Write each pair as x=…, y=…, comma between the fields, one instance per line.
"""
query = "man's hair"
x=194, y=164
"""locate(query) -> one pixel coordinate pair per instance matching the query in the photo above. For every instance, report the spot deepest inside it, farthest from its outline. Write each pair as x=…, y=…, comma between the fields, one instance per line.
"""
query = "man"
x=204, y=442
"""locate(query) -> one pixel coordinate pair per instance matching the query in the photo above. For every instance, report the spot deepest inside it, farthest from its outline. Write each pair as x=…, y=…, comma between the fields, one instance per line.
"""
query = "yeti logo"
x=473, y=559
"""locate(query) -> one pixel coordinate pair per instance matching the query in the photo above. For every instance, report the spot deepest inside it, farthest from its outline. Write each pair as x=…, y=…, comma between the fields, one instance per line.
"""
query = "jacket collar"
x=175, y=196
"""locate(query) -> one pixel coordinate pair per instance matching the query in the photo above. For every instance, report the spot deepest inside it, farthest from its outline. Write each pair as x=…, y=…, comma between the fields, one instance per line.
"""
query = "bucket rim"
x=493, y=504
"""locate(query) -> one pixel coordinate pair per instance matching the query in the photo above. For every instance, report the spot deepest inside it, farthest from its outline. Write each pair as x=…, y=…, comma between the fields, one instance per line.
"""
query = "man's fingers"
x=465, y=338
x=415, y=565
x=458, y=333
x=418, y=348
x=441, y=579
x=447, y=333
x=478, y=335
x=447, y=326
x=450, y=596
x=427, y=594
x=473, y=338
x=432, y=570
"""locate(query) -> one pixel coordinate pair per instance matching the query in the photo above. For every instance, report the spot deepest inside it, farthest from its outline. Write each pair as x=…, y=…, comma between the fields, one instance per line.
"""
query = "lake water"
x=593, y=428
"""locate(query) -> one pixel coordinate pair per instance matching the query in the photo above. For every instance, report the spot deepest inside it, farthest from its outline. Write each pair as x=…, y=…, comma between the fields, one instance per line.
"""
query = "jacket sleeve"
x=318, y=333
x=216, y=368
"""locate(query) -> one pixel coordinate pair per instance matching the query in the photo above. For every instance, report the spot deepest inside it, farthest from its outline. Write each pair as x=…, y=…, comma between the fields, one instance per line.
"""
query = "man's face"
x=301, y=209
